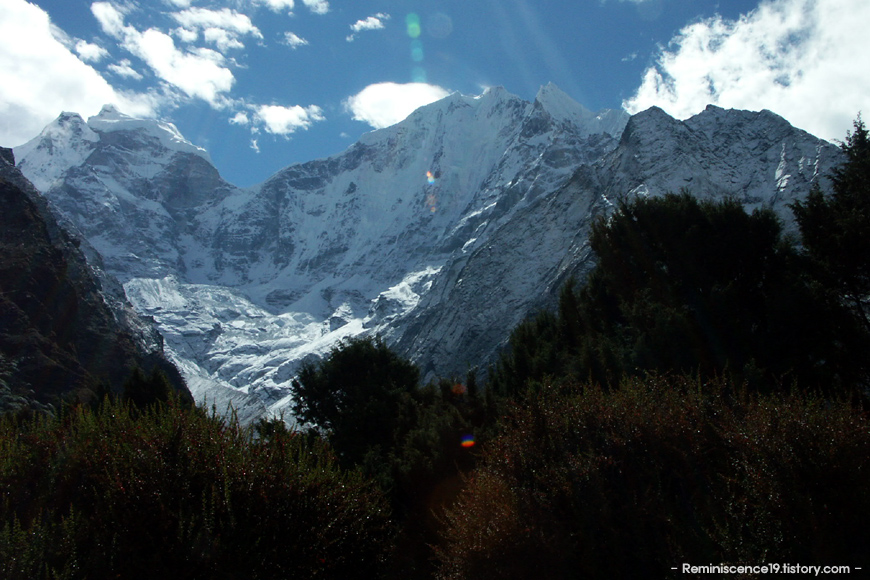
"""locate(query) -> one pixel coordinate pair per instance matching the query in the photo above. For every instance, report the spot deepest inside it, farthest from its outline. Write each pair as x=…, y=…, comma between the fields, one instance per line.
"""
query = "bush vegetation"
x=169, y=491
x=585, y=482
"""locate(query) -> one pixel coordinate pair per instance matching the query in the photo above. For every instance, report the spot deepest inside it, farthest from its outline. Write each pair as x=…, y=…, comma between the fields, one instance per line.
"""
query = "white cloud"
x=277, y=5
x=125, y=69
x=384, y=104
x=240, y=118
x=185, y=35
x=222, y=39
x=316, y=6
x=110, y=17
x=280, y=120
x=794, y=57
x=198, y=72
x=375, y=22
x=89, y=52
x=47, y=78
x=293, y=40
x=225, y=18
x=223, y=28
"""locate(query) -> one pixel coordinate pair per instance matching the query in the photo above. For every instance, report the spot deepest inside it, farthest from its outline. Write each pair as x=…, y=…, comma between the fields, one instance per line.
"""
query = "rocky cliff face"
x=64, y=329
x=439, y=233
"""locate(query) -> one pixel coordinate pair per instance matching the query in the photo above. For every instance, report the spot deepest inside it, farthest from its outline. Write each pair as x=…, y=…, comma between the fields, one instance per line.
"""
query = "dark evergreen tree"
x=836, y=228
x=689, y=286
x=143, y=391
x=360, y=395
x=704, y=287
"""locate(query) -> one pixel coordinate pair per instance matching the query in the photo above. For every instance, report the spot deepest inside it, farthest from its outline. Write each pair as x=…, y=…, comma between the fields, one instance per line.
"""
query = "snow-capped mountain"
x=439, y=233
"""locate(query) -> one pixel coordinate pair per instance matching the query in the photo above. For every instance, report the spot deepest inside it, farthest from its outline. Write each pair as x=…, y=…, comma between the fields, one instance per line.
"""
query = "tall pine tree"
x=836, y=228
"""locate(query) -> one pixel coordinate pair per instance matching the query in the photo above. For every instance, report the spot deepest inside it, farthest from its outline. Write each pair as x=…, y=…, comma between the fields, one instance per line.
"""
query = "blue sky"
x=262, y=84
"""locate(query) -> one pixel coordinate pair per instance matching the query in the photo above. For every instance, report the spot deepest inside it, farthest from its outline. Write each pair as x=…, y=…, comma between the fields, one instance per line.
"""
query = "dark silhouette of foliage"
x=361, y=395
x=835, y=229
x=172, y=492
x=367, y=403
x=690, y=286
x=143, y=391
x=584, y=482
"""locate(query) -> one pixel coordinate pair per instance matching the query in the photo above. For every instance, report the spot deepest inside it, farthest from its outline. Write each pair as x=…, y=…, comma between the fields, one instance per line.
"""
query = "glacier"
x=439, y=233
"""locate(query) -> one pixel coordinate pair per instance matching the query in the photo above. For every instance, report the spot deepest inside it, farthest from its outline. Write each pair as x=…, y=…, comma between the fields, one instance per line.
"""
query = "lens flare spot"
x=418, y=74
x=467, y=441
x=459, y=389
x=413, y=23
x=417, y=51
x=430, y=178
x=439, y=25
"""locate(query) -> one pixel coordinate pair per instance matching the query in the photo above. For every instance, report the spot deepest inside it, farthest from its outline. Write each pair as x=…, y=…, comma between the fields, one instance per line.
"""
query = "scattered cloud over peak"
x=276, y=119
x=125, y=69
x=316, y=6
x=384, y=104
x=375, y=22
x=197, y=72
x=293, y=40
x=48, y=77
x=789, y=56
x=279, y=120
x=223, y=28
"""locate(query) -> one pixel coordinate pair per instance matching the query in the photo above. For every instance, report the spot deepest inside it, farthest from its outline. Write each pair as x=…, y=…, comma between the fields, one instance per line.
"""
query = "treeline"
x=701, y=287
x=702, y=398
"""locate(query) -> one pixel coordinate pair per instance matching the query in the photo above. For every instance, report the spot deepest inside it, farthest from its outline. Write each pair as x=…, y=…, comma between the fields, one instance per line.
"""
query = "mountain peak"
x=550, y=94
x=65, y=128
x=563, y=108
x=65, y=142
x=110, y=119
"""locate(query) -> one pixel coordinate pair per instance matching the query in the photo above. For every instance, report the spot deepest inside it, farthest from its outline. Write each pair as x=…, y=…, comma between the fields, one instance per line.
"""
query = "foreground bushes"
x=171, y=492
x=584, y=483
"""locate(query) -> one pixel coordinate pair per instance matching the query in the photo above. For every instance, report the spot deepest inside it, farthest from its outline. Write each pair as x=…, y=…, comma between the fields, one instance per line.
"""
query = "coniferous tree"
x=689, y=286
x=359, y=394
x=143, y=391
x=836, y=229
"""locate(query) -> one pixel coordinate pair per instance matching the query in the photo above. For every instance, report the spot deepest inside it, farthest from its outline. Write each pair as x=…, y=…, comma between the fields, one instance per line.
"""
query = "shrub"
x=173, y=492
x=584, y=483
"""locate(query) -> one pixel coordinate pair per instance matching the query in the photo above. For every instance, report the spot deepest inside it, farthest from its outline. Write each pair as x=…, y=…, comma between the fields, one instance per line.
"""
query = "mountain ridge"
x=66, y=325
x=438, y=233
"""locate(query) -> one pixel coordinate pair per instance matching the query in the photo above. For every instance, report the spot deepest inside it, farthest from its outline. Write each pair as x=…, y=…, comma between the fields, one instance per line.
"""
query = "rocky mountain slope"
x=439, y=233
x=64, y=327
